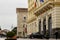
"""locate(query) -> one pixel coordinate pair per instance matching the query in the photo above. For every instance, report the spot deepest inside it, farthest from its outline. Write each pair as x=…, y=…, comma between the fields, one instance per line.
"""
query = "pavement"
x=29, y=39
x=2, y=38
x=36, y=39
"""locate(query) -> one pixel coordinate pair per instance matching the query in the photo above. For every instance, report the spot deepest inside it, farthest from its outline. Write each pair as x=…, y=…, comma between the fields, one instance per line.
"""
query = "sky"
x=8, y=16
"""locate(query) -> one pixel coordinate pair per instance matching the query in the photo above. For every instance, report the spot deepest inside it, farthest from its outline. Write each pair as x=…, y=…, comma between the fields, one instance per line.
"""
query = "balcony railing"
x=44, y=7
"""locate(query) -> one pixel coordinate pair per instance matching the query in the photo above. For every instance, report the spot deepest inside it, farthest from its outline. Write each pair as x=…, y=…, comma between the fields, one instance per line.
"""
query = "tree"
x=15, y=30
x=10, y=34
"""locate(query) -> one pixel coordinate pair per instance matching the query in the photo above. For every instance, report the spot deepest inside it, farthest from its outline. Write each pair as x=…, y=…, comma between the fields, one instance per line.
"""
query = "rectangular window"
x=24, y=19
x=19, y=33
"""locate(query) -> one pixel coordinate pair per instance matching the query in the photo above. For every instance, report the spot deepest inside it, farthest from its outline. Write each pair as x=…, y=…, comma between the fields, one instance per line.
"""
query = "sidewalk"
x=36, y=39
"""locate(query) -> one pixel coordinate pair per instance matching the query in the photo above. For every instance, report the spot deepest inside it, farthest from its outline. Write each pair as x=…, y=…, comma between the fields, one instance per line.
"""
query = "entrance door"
x=44, y=26
x=40, y=27
x=50, y=26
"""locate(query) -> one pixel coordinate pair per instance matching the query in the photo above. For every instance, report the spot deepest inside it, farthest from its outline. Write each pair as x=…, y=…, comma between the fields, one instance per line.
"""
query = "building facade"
x=21, y=21
x=43, y=16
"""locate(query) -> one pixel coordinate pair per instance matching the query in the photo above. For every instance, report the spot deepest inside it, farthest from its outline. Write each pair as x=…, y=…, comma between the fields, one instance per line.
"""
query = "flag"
x=41, y=0
x=25, y=30
x=36, y=0
x=35, y=4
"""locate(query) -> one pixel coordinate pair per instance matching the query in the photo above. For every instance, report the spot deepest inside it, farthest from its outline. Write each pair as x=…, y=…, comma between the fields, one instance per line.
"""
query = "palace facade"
x=43, y=16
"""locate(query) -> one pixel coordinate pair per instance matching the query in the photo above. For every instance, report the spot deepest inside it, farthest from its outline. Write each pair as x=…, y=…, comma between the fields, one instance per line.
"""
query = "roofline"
x=21, y=10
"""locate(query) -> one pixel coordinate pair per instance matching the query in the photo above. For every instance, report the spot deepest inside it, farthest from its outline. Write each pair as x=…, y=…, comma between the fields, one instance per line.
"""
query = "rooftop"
x=21, y=9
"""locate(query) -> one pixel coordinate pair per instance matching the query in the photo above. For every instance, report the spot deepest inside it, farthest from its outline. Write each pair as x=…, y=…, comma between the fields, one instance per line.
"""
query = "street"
x=2, y=38
x=30, y=39
x=36, y=39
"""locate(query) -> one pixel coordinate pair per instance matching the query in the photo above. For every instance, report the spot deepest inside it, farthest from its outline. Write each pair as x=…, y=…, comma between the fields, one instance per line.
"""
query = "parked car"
x=36, y=35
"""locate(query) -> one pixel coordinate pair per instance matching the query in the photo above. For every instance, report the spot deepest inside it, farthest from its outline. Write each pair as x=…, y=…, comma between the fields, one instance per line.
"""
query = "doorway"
x=40, y=26
x=44, y=26
x=50, y=26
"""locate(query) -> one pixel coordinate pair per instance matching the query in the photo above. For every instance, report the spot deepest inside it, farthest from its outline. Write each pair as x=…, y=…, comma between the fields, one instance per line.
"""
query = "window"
x=23, y=33
x=23, y=25
x=19, y=33
x=35, y=24
x=24, y=18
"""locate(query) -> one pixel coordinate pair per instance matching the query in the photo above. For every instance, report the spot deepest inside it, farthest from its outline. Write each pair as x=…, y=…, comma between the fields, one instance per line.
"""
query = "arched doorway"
x=40, y=26
x=44, y=26
x=50, y=26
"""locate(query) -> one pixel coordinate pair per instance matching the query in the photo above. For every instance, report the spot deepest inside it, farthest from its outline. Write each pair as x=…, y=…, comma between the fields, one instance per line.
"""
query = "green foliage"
x=10, y=34
x=15, y=30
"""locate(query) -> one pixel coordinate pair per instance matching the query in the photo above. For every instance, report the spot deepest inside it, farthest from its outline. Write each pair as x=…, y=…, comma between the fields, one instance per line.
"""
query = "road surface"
x=29, y=39
x=2, y=38
x=36, y=39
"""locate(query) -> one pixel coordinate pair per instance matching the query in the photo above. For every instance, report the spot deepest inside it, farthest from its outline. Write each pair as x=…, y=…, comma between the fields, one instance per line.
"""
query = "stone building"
x=21, y=21
x=43, y=16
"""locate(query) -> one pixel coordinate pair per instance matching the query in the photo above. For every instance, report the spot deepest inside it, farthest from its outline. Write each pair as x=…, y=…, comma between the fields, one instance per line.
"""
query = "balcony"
x=44, y=7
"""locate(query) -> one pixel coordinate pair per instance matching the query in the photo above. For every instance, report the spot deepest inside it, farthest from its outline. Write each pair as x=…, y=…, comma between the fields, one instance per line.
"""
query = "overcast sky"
x=8, y=15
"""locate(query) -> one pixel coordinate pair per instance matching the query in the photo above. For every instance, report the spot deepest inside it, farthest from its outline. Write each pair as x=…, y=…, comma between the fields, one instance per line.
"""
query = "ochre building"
x=21, y=22
x=43, y=16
